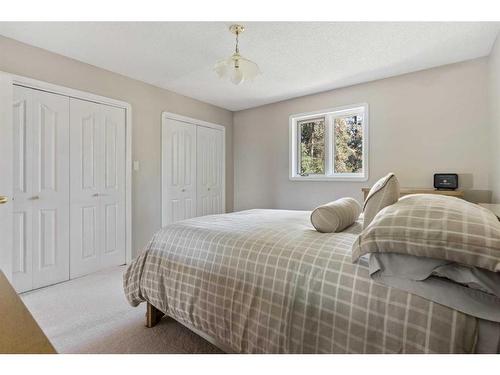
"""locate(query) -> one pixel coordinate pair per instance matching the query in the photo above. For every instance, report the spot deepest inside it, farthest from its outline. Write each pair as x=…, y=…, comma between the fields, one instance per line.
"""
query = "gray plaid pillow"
x=434, y=226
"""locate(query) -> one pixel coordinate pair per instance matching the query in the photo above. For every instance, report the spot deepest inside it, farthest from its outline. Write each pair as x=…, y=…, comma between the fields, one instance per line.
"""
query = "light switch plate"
x=136, y=165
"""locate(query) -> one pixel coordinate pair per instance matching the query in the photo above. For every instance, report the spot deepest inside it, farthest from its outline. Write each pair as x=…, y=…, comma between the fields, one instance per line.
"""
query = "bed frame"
x=154, y=315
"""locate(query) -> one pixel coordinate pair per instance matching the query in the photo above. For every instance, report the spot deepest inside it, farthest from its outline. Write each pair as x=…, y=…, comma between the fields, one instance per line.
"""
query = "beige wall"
x=420, y=123
x=494, y=96
x=147, y=102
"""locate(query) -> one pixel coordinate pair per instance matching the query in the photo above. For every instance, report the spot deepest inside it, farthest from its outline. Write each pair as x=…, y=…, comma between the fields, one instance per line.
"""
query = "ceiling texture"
x=296, y=58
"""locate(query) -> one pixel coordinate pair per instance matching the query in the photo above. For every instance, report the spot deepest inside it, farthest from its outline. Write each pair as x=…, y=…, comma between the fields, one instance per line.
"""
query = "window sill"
x=330, y=178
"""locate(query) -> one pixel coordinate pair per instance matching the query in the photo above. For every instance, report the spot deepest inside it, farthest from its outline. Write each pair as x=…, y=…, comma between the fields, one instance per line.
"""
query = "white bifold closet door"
x=97, y=176
x=192, y=171
x=179, y=171
x=209, y=171
x=41, y=188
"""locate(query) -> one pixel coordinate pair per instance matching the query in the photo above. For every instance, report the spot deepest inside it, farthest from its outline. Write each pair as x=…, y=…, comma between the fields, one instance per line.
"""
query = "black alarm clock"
x=446, y=181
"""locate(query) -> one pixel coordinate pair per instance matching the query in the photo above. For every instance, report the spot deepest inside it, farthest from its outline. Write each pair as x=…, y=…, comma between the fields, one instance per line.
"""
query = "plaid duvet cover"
x=264, y=281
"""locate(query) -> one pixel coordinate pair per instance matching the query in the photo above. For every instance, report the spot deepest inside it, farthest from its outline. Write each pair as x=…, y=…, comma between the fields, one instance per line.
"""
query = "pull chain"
x=236, y=61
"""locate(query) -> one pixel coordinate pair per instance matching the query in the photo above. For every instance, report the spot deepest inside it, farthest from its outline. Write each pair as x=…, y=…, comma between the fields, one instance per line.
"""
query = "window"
x=330, y=145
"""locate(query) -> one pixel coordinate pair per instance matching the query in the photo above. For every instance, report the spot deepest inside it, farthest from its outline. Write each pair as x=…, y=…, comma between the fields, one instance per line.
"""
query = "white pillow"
x=335, y=216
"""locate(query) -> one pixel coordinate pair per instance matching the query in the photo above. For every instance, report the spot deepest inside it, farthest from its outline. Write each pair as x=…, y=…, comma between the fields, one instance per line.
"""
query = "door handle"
x=183, y=190
x=3, y=199
x=95, y=195
x=34, y=197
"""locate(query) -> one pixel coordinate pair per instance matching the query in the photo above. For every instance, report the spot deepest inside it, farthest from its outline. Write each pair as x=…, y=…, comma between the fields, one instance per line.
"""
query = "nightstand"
x=495, y=208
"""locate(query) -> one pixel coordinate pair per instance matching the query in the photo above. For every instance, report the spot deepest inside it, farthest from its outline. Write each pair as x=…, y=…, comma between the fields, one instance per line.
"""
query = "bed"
x=264, y=281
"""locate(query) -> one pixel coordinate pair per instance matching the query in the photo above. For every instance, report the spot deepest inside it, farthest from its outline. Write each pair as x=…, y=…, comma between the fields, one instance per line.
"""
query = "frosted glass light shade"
x=237, y=69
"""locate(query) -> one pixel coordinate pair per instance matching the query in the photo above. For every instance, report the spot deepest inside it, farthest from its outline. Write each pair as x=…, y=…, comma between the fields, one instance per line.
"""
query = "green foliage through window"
x=312, y=146
x=348, y=144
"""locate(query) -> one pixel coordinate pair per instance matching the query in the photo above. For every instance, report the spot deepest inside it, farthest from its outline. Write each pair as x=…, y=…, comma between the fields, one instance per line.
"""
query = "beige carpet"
x=91, y=315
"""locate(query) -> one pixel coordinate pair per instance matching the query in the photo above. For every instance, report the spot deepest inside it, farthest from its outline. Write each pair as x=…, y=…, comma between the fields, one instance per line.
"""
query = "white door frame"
x=6, y=129
x=190, y=120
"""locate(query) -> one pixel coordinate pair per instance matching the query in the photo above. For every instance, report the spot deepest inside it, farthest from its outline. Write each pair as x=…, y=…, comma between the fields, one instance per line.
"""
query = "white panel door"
x=97, y=176
x=178, y=171
x=112, y=187
x=7, y=175
x=85, y=146
x=50, y=188
x=209, y=171
x=41, y=188
x=22, y=215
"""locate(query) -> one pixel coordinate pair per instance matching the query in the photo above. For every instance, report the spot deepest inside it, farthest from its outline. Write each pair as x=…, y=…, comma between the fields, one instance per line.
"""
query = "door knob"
x=3, y=199
x=183, y=190
x=208, y=189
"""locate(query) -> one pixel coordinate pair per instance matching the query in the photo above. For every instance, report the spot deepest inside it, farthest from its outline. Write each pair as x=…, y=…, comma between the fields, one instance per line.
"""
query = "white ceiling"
x=296, y=58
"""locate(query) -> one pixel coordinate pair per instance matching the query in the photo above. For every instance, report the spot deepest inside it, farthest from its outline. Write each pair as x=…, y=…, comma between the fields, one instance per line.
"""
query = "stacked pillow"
x=441, y=248
x=435, y=226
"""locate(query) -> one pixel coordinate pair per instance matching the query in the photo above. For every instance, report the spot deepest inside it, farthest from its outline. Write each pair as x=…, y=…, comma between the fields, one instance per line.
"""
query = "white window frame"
x=329, y=115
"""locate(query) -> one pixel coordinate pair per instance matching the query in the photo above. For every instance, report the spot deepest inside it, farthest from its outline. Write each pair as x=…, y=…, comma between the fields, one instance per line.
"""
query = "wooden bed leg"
x=153, y=315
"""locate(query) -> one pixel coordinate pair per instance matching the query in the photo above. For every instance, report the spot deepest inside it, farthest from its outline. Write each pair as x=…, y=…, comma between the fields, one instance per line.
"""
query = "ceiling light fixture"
x=236, y=67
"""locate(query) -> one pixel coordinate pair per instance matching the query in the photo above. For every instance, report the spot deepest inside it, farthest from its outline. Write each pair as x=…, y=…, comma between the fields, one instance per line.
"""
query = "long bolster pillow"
x=335, y=216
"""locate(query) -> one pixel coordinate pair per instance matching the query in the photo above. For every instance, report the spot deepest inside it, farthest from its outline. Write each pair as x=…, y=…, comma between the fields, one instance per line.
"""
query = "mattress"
x=264, y=281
